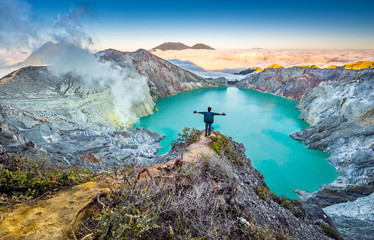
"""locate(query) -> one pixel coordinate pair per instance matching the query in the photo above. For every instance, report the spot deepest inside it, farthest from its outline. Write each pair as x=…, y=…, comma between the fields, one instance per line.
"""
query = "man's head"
x=209, y=109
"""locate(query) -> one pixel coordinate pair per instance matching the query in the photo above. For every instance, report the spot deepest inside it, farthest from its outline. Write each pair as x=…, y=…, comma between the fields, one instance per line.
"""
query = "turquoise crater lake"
x=262, y=122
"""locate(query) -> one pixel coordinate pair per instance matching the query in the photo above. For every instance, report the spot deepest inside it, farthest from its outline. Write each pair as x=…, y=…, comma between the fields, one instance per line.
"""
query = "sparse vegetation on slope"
x=23, y=179
x=201, y=194
x=197, y=204
x=222, y=145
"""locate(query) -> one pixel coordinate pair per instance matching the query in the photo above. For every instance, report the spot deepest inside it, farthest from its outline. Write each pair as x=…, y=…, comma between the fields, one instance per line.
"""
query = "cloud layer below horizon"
x=218, y=60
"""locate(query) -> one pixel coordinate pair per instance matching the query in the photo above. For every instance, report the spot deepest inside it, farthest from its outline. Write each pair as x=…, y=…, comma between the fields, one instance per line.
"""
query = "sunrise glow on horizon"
x=129, y=25
x=25, y=25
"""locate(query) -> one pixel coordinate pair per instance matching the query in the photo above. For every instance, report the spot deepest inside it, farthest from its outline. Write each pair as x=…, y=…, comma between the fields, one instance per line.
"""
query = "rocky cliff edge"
x=209, y=189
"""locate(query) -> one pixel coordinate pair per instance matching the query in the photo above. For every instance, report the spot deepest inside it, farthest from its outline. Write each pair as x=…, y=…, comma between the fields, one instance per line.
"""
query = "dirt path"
x=198, y=149
x=163, y=172
x=46, y=219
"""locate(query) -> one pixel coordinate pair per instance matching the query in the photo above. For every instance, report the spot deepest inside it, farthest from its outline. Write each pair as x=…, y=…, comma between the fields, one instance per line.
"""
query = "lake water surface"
x=262, y=122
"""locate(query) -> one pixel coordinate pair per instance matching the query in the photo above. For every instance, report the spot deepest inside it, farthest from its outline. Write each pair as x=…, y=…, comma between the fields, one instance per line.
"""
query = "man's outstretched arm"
x=197, y=112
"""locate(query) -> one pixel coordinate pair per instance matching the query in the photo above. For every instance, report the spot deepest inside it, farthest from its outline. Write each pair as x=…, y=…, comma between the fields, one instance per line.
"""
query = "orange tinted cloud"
x=246, y=58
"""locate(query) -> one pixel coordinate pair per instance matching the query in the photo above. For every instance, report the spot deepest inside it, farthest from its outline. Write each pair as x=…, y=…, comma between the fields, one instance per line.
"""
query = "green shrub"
x=330, y=232
x=195, y=203
x=254, y=231
x=216, y=148
x=265, y=194
x=133, y=212
x=188, y=136
x=189, y=208
x=290, y=205
x=221, y=143
x=25, y=179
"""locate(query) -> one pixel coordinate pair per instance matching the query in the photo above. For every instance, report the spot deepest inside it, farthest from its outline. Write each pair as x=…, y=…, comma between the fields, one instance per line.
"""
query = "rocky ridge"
x=338, y=103
x=250, y=193
x=164, y=78
x=71, y=121
x=238, y=195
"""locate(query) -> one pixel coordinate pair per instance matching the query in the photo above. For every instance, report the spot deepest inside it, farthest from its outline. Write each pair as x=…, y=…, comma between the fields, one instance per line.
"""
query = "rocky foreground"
x=213, y=194
x=339, y=105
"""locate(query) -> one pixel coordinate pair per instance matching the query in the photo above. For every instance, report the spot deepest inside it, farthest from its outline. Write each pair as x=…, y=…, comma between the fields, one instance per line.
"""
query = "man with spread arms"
x=209, y=119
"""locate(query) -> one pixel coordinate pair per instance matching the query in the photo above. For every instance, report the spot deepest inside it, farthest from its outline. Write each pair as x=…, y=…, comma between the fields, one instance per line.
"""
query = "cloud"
x=17, y=26
x=246, y=58
x=67, y=28
x=190, y=66
x=187, y=65
x=21, y=29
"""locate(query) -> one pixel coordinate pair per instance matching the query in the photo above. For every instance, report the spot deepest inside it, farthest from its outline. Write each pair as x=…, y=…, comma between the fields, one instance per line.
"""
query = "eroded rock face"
x=164, y=79
x=354, y=219
x=64, y=118
x=339, y=105
x=258, y=207
x=293, y=82
x=341, y=114
x=67, y=117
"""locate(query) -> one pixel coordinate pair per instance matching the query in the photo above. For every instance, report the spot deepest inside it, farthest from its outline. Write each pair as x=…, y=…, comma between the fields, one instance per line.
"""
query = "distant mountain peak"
x=180, y=46
x=359, y=65
x=308, y=66
x=275, y=65
x=202, y=46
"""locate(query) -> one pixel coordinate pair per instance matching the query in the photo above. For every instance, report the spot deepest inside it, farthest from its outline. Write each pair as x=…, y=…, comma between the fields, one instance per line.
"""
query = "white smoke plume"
x=128, y=88
x=17, y=26
x=67, y=28
x=21, y=29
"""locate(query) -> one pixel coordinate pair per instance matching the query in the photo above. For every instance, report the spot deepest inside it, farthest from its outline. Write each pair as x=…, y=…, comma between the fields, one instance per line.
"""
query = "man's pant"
x=208, y=126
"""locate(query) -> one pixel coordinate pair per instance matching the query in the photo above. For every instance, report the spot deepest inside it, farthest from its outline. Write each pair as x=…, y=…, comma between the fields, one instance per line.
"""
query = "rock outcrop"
x=164, y=79
x=235, y=195
x=341, y=114
x=250, y=194
x=293, y=82
x=355, y=220
x=65, y=117
x=338, y=103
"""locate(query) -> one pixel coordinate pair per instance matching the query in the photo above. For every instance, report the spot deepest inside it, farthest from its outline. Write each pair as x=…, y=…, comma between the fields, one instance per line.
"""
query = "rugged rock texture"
x=342, y=118
x=233, y=195
x=164, y=79
x=292, y=82
x=67, y=119
x=219, y=82
x=260, y=207
x=338, y=103
x=63, y=117
x=355, y=220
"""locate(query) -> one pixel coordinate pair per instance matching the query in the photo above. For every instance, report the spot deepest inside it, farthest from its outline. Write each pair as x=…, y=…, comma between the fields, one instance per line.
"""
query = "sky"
x=25, y=25
x=129, y=25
